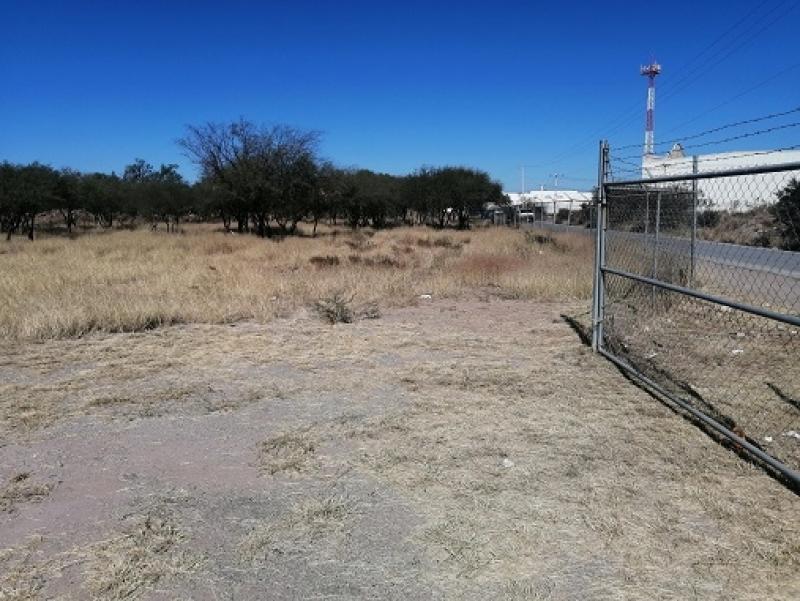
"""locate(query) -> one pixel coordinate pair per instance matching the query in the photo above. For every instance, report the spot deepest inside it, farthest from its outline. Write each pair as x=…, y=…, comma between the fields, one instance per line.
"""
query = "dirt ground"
x=451, y=450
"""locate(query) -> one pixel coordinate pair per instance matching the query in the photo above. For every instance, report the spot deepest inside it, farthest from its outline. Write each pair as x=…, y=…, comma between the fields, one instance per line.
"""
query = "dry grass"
x=138, y=280
x=22, y=573
x=305, y=525
x=21, y=489
x=756, y=227
x=26, y=409
x=286, y=452
x=150, y=550
x=147, y=552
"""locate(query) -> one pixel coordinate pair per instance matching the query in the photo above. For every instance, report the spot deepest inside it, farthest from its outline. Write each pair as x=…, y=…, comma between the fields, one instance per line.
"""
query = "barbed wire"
x=716, y=129
x=746, y=135
x=625, y=162
x=729, y=139
x=747, y=154
x=735, y=97
x=621, y=169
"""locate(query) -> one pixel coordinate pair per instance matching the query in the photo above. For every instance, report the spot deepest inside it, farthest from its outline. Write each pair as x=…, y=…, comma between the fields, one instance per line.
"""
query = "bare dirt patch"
x=452, y=450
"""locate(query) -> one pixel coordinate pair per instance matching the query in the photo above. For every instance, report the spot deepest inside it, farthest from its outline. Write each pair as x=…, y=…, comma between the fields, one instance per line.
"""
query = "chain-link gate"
x=690, y=299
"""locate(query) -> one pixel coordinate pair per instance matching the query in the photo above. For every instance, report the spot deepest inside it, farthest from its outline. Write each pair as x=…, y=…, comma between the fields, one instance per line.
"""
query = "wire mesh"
x=731, y=237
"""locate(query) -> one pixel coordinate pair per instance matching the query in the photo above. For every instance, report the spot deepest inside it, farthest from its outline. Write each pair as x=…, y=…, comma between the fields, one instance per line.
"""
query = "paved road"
x=779, y=262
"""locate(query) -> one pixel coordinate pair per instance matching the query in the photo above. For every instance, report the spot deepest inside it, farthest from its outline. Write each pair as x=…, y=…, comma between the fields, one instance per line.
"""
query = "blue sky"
x=391, y=85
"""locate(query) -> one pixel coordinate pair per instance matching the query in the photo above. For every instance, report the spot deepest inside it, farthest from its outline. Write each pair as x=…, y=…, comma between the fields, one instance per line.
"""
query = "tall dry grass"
x=135, y=280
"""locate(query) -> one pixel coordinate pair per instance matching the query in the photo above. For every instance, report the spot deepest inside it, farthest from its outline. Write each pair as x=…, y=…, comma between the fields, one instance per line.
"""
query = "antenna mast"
x=650, y=71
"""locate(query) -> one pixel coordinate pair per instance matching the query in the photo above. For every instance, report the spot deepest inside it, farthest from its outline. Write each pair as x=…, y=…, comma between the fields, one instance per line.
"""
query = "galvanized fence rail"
x=685, y=303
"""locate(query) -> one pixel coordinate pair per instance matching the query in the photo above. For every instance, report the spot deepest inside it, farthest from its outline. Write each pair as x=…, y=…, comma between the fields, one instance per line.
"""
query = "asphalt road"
x=779, y=262
x=762, y=276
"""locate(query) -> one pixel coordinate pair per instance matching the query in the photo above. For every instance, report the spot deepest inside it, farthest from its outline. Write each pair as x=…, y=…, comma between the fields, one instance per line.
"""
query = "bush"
x=326, y=261
x=336, y=308
x=787, y=213
x=708, y=218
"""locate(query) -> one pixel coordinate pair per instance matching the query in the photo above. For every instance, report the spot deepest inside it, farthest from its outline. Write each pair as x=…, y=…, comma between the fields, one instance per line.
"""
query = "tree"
x=269, y=172
x=161, y=195
x=67, y=196
x=138, y=171
x=169, y=196
x=327, y=195
x=787, y=213
x=369, y=197
x=213, y=200
x=296, y=180
x=451, y=194
x=103, y=196
x=25, y=191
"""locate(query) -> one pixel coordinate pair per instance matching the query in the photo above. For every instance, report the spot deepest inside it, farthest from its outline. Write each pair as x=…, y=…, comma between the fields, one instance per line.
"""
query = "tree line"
x=264, y=180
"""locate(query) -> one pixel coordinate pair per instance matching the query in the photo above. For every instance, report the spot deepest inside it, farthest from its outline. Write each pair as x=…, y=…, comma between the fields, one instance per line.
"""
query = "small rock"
x=507, y=462
x=792, y=434
x=740, y=334
x=426, y=296
x=737, y=351
x=768, y=439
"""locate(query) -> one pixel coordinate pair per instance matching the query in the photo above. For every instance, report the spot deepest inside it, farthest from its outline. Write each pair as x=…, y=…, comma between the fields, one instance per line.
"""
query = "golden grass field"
x=136, y=280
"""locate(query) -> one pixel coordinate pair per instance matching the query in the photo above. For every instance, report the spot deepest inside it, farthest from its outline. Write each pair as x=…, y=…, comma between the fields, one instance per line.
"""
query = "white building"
x=735, y=193
x=549, y=201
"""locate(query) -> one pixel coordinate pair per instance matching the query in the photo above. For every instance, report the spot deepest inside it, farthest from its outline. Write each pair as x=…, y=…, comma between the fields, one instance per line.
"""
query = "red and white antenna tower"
x=650, y=71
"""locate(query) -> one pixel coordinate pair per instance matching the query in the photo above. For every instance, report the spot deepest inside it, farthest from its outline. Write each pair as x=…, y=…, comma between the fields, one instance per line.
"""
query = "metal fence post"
x=598, y=284
x=694, y=220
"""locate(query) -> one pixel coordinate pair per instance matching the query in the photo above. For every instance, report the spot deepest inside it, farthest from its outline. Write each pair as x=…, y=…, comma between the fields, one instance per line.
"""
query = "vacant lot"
x=133, y=281
x=466, y=447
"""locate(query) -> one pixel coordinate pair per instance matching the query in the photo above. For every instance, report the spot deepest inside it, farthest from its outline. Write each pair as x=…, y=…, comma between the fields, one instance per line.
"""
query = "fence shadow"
x=585, y=336
x=783, y=396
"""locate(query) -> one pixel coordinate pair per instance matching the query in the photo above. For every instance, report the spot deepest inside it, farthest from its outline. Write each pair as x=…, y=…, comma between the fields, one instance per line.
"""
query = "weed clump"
x=336, y=308
x=286, y=452
x=20, y=489
x=376, y=261
x=372, y=311
x=443, y=242
x=360, y=241
x=324, y=261
x=149, y=551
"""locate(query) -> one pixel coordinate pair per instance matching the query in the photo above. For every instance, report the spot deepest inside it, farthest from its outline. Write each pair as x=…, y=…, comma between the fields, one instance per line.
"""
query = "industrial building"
x=736, y=193
x=551, y=201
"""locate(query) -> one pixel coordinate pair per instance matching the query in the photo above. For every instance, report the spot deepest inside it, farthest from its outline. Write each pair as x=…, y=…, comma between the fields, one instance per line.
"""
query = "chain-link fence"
x=559, y=216
x=697, y=293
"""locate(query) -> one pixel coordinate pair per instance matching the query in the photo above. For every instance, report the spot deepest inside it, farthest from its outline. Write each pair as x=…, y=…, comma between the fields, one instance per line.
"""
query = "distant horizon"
x=391, y=88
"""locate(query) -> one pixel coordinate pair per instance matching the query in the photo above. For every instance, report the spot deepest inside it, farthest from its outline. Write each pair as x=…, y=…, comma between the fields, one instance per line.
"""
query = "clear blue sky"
x=392, y=85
